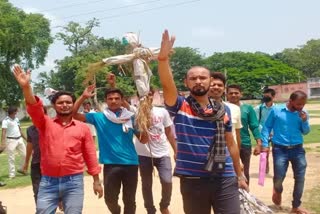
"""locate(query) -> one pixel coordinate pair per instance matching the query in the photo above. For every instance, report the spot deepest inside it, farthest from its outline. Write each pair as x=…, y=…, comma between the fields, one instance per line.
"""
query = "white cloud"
x=54, y=20
x=206, y=32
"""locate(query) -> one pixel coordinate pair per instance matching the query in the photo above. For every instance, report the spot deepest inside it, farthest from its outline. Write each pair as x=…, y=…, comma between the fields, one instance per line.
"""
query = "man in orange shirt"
x=66, y=146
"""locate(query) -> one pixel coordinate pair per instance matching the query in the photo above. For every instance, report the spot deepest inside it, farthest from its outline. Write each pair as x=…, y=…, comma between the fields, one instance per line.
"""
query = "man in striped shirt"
x=201, y=190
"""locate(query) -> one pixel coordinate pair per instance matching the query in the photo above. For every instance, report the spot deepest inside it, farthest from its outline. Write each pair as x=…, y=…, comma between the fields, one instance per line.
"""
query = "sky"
x=210, y=26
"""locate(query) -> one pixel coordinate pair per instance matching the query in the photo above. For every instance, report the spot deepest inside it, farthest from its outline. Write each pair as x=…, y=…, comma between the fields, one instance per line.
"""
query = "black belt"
x=15, y=138
x=287, y=147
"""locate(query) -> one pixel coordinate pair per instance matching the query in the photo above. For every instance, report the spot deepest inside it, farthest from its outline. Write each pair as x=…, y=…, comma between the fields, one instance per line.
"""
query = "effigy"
x=140, y=57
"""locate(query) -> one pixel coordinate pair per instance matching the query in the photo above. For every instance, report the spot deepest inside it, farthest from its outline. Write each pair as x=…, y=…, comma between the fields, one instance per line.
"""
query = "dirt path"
x=20, y=200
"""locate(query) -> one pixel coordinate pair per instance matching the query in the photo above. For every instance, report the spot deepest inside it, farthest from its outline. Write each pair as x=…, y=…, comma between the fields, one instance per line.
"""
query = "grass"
x=313, y=136
x=314, y=101
x=19, y=180
x=313, y=198
x=314, y=112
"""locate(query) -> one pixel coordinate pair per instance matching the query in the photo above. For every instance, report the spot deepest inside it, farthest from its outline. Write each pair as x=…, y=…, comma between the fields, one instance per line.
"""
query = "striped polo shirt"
x=194, y=137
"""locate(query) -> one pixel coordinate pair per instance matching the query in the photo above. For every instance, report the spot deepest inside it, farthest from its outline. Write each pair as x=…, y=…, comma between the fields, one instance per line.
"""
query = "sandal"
x=276, y=198
x=299, y=210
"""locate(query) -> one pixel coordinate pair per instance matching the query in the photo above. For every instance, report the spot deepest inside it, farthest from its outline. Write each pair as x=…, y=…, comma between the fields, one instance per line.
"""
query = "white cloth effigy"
x=124, y=118
x=249, y=204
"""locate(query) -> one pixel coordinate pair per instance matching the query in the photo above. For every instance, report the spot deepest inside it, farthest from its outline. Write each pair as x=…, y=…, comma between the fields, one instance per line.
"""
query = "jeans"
x=164, y=168
x=113, y=176
x=199, y=195
x=12, y=146
x=281, y=159
x=245, y=156
x=35, y=178
x=68, y=188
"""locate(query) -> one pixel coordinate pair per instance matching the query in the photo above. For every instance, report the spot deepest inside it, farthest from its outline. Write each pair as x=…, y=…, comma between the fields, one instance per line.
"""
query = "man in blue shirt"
x=263, y=110
x=116, y=149
x=201, y=124
x=288, y=123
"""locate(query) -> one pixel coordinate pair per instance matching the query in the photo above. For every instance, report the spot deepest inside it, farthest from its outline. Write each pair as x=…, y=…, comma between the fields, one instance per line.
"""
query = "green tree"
x=76, y=37
x=305, y=58
x=181, y=61
x=24, y=39
x=252, y=71
x=85, y=48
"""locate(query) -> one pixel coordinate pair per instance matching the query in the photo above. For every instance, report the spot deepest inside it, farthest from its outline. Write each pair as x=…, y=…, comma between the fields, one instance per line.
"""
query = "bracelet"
x=163, y=59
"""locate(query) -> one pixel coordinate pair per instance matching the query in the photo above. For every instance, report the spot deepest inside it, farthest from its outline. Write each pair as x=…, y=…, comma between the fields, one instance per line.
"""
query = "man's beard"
x=64, y=114
x=199, y=91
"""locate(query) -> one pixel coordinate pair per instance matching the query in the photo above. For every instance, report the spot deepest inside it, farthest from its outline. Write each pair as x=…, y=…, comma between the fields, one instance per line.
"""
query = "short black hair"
x=111, y=91
x=298, y=95
x=61, y=93
x=234, y=86
x=196, y=67
x=12, y=109
x=269, y=91
x=86, y=102
x=218, y=75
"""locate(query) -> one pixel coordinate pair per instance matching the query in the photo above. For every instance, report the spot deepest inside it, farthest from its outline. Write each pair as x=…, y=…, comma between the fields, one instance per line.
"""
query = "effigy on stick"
x=140, y=57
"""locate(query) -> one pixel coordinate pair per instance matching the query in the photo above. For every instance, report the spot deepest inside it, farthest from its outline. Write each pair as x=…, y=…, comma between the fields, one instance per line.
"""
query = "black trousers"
x=35, y=178
x=114, y=176
x=245, y=156
x=201, y=195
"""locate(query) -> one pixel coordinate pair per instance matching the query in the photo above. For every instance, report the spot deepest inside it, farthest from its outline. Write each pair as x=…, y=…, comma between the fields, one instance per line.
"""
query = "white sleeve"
x=166, y=119
x=18, y=121
x=238, y=124
x=4, y=124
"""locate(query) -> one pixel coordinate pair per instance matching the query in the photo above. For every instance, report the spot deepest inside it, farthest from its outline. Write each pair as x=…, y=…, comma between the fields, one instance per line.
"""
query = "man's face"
x=114, y=101
x=267, y=97
x=64, y=105
x=298, y=103
x=13, y=115
x=234, y=95
x=87, y=107
x=216, y=89
x=198, y=81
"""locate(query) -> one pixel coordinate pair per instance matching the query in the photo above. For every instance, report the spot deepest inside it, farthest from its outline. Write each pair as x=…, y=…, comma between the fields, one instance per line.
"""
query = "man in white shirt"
x=217, y=89
x=12, y=138
x=155, y=152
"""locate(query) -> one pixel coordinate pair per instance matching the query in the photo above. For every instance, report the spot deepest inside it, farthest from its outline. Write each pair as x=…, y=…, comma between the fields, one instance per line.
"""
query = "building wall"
x=283, y=91
x=314, y=87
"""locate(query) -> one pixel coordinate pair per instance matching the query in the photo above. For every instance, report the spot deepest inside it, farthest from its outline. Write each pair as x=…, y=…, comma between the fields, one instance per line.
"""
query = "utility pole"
x=226, y=85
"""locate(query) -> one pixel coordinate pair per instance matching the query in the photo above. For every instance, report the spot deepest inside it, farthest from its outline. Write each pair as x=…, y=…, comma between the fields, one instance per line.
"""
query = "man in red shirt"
x=66, y=146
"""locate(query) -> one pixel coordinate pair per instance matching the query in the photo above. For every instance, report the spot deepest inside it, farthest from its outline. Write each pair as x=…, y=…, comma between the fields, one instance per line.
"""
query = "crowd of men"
x=211, y=145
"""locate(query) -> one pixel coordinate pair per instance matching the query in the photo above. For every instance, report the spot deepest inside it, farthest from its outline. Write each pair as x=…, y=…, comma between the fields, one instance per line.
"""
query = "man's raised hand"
x=89, y=91
x=22, y=77
x=166, y=46
x=111, y=80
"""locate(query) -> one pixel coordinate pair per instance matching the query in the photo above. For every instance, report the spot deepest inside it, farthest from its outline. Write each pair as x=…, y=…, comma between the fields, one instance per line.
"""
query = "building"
x=311, y=88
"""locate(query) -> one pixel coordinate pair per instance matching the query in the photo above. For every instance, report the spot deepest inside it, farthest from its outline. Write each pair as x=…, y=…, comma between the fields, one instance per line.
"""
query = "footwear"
x=165, y=211
x=22, y=172
x=276, y=197
x=13, y=177
x=299, y=210
x=2, y=184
